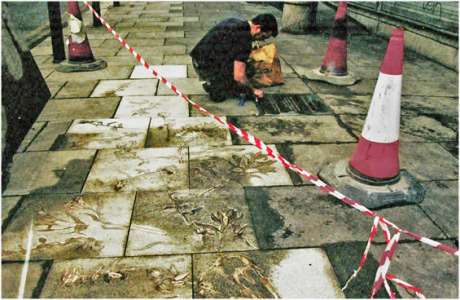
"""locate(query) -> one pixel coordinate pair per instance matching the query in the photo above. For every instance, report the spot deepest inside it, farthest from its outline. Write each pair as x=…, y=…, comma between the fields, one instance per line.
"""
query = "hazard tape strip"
x=406, y=285
x=270, y=152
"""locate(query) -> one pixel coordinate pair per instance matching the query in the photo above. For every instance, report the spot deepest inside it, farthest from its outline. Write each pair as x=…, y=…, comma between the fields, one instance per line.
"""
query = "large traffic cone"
x=376, y=157
x=334, y=66
x=81, y=57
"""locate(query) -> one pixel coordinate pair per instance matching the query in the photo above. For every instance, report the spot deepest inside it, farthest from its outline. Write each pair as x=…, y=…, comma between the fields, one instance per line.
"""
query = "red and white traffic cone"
x=334, y=67
x=376, y=157
x=81, y=57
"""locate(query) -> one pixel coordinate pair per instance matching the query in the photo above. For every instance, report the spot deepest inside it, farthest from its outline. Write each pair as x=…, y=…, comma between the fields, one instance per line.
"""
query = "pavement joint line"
x=262, y=146
x=130, y=223
x=33, y=139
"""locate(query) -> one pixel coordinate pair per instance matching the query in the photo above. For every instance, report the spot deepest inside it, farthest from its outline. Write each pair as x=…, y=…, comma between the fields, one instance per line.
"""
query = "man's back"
x=226, y=42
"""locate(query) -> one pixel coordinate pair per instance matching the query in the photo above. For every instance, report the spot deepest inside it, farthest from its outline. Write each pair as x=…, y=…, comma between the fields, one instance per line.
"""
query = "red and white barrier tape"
x=262, y=146
x=406, y=285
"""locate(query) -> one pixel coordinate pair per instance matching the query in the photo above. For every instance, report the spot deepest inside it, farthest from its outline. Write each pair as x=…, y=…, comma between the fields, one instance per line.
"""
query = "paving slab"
x=134, y=277
x=234, y=166
x=11, y=279
x=138, y=170
x=104, y=134
x=302, y=216
x=171, y=50
x=130, y=60
x=177, y=59
x=188, y=86
x=105, y=51
x=31, y=134
x=190, y=221
x=152, y=106
x=49, y=172
x=441, y=204
x=187, y=132
x=54, y=87
x=83, y=108
x=8, y=205
x=363, y=87
x=290, y=86
x=145, y=42
x=347, y=104
x=138, y=87
x=313, y=158
x=294, y=129
x=297, y=273
x=111, y=72
x=432, y=270
x=167, y=71
x=69, y=226
x=76, y=89
x=429, y=88
x=47, y=137
x=147, y=35
x=229, y=107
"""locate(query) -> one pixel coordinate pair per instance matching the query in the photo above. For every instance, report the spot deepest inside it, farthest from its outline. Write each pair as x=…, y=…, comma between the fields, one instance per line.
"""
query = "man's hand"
x=258, y=93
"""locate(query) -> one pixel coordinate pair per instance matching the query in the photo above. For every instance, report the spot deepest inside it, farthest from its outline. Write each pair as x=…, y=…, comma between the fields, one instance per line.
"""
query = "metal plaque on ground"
x=306, y=104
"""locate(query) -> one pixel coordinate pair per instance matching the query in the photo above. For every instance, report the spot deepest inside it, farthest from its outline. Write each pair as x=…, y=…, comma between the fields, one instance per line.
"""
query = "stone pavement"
x=134, y=194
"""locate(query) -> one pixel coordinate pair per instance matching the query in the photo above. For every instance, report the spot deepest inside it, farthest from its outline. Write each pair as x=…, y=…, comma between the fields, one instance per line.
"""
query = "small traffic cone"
x=376, y=157
x=81, y=57
x=334, y=67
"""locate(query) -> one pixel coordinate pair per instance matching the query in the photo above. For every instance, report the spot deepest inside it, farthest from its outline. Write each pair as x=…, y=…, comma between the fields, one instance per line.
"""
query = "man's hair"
x=267, y=23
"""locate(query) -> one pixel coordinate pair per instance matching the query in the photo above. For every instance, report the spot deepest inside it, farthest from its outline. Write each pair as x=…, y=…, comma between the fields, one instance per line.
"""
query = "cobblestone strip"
x=262, y=146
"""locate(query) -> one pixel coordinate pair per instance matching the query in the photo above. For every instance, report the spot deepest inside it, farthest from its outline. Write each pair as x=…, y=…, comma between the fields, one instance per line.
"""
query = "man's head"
x=264, y=26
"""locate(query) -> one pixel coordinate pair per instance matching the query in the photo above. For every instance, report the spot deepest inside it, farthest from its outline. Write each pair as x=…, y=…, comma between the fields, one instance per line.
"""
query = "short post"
x=97, y=7
x=57, y=41
x=299, y=17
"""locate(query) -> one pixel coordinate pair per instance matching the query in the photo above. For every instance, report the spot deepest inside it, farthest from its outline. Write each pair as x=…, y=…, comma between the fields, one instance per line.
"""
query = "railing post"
x=57, y=40
x=97, y=7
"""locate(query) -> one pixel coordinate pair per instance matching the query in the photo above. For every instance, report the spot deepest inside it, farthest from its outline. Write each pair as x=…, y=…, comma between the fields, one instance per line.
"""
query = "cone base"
x=369, y=180
x=407, y=190
x=69, y=66
x=315, y=74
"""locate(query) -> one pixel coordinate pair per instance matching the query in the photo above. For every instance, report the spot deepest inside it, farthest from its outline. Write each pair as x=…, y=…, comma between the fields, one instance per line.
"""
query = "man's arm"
x=239, y=75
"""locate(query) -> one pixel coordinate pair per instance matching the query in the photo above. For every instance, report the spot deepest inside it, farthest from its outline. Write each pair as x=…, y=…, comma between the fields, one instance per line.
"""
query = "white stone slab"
x=167, y=71
x=106, y=134
x=306, y=273
x=138, y=170
x=188, y=131
x=152, y=106
x=139, y=87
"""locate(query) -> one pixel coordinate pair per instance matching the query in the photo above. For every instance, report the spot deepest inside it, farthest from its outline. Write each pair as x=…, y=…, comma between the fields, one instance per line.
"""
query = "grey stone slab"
x=188, y=86
x=187, y=132
x=8, y=205
x=130, y=60
x=432, y=127
x=54, y=87
x=191, y=73
x=171, y=50
x=105, y=134
x=432, y=270
x=169, y=34
x=138, y=170
x=84, y=108
x=76, y=89
x=31, y=134
x=229, y=107
x=111, y=72
x=294, y=129
x=46, y=138
x=46, y=72
x=134, y=277
x=167, y=71
x=296, y=273
x=152, y=106
x=146, y=42
x=48, y=172
x=428, y=161
x=69, y=226
x=11, y=279
x=177, y=59
x=138, y=87
x=290, y=86
x=313, y=158
x=441, y=204
x=234, y=166
x=105, y=51
x=286, y=217
x=347, y=104
x=363, y=87
x=429, y=88
x=190, y=221
x=109, y=44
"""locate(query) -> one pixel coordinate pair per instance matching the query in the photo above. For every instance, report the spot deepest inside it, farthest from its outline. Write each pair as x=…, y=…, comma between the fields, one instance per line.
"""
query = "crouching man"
x=220, y=57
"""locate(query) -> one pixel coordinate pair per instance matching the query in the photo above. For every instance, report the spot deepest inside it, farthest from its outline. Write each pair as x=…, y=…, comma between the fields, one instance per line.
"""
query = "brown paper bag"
x=267, y=66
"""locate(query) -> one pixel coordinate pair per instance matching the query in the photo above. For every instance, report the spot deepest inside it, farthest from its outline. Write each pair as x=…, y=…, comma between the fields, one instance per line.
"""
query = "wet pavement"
x=133, y=193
